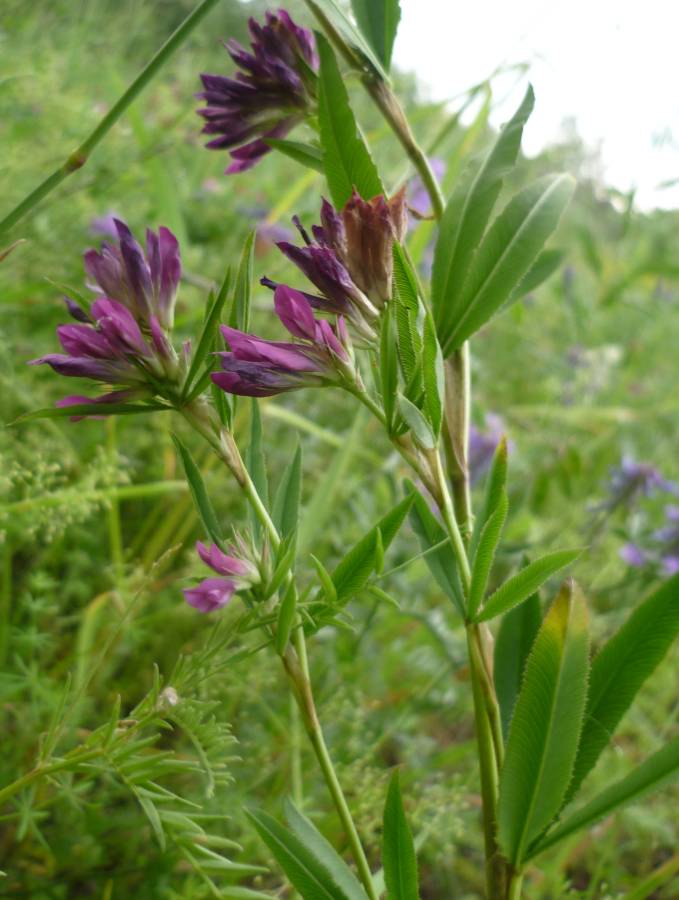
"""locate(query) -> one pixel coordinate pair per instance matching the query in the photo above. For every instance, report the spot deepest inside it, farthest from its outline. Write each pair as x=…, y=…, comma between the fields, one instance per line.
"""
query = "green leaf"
x=441, y=562
x=485, y=554
x=421, y=429
x=240, y=311
x=398, y=849
x=513, y=643
x=466, y=217
x=333, y=11
x=495, y=488
x=432, y=375
x=388, y=367
x=305, y=872
x=506, y=254
x=286, y=501
x=378, y=21
x=325, y=578
x=543, y=268
x=352, y=573
x=324, y=852
x=525, y=583
x=199, y=493
x=621, y=667
x=208, y=332
x=406, y=306
x=286, y=618
x=256, y=464
x=346, y=160
x=654, y=772
x=546, y=725
x=306, y=154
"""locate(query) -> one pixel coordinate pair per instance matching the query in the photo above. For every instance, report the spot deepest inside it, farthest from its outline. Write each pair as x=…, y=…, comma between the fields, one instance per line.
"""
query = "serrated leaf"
x=240, y=310
x=526, y=582
x=325, y=578
x=654, y=772
x=324, y=852
x=620, y=669
x=353, y=571
x=543, y=268
x=306, y=154
x=286, y=501
x=432, y=375
x=507, y=252
x=440, y=562
x=545, y=727
x=378, y=21
x=466, y=217
x=206, y=339
x=398, y=850
x=513, y=643
x=305, y=872
x=346, y=159
x=406, y=305
x=388, y=368
x=421, y=429
x=199, y=493
x=495, y=487
x=485, y=554
x=359, y=45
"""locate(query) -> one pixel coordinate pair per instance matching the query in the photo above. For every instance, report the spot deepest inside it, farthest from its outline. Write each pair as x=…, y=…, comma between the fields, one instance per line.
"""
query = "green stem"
x=77, y=159
x=26, y=780
x=515, y=883
x=295, y=661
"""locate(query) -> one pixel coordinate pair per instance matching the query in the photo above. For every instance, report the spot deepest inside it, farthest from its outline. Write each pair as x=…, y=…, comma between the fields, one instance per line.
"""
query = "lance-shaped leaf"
x=621, y=667
x=543, y=268
x=324, y=852
x=306, y=872
x=346, y=159
x=440, y=561
x=240, y=310
x=199, y=493
x=332, y=12
x=432, y=375
x=495, y=488
x=398, y=848
x=287, y=612
x=353, y=571
x=208, y=332
x=388, y=367
x=466, y=217
x=525, y=583
x=286, y=501
x=506, y=254
x=654, y=772
x=546, y=725
x=378, y=21
x=485, y=554
x=256, y=464
x=513, y=644
x=95, y=410
x=306, y=154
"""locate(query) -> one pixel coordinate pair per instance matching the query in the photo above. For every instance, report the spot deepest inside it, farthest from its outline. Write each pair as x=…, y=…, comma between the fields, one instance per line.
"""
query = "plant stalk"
x=77, y=159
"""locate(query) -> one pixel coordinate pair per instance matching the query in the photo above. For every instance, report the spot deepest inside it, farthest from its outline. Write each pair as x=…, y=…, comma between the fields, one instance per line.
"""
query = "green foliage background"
x=97, y=528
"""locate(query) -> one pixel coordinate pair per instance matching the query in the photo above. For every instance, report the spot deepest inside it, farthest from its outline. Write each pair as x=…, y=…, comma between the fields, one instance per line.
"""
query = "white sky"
x=612, y=65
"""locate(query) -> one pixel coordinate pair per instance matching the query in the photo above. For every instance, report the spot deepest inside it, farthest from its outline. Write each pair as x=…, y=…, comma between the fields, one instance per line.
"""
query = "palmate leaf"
x=545, y=727
x=525, y=583
x=506, y=254
x=346, y=159
x=621, y=667
x=654, y=772
x=307, y=872
x=513, y=643
x=466, y=218
x=352, y=573
x=378, y=21
x=398, y=848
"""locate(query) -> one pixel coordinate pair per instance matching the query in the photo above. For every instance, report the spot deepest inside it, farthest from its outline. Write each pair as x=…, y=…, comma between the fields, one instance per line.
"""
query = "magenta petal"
x=213, y=557
x=210, y=595
x=294, y=312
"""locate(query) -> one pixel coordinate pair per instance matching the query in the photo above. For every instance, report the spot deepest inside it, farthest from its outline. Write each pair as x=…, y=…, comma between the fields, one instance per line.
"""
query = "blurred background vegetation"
x=97, y=529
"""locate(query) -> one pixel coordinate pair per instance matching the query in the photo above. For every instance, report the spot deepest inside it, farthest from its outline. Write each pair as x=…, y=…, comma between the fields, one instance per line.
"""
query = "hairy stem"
x=294, y=659
x=77, y=159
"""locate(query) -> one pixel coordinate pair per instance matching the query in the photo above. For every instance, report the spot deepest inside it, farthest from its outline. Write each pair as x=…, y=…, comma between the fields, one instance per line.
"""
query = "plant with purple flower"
x=632, y=480
x=237, y=573
x=274, y=90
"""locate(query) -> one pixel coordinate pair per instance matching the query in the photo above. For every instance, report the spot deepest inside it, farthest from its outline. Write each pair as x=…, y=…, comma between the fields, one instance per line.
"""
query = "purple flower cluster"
x=255, y=367
x=123, y=339
x=274, y=90
x=237, y=572
x=663, y=549
x=632, y=480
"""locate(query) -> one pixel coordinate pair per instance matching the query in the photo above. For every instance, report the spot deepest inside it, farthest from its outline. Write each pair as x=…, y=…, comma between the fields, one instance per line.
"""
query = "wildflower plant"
x=359, y=319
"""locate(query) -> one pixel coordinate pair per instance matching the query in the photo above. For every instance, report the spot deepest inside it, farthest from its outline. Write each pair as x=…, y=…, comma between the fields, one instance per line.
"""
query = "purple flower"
x=419, y=201
x=255, y=367
x=213, y=593
x=146, y=283
x=482, y=445
x=632, y=480
x=274, y=89
x=633, y=555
